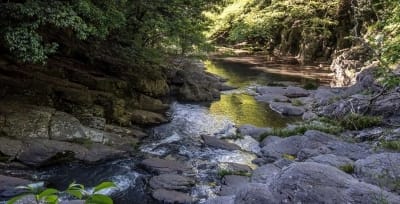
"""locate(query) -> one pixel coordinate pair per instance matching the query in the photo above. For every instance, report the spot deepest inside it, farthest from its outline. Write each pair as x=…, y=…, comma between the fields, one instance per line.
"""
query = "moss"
x=392, y=145
x=297, y=102
x=224, y=172
x=289, y=157
x=354, y=121
x=348, y=168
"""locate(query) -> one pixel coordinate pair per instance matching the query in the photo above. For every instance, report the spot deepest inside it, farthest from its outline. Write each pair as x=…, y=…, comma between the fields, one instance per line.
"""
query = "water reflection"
x=239, y=106
x=244, y=109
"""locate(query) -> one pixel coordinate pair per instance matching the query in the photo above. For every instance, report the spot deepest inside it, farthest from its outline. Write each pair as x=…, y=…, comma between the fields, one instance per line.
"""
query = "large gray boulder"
x=44, y=152
x=295, y=92
x=265, y=174
x=252, y=131
x=293, y=145
x=65, y=127
x=171, y=182
x=169, y=196
x=332, y=160
x=309, y=182
x=8, y=186
x=231, y=183
x=255, y=194
x=380, y=169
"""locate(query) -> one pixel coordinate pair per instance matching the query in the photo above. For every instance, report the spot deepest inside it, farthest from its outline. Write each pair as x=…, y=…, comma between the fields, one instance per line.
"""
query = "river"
x=181, y=138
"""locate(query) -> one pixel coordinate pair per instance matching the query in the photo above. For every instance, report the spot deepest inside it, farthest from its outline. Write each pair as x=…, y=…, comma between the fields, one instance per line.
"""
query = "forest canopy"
x=32, y=30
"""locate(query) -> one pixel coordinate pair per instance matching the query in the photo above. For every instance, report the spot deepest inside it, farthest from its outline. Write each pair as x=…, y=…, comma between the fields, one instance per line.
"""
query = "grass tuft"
x=348, y=168
x=354, y=121
x=224, y=172
x=392, y=145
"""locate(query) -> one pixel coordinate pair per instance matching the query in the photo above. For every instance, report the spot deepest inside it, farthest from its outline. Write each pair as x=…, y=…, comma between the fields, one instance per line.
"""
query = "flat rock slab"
x=287, y=109
x=218, y=143
x=168, y=196
x=8, y=186
x=44, y=152
x=171, y=182
x=163, y=166
x=295, y=92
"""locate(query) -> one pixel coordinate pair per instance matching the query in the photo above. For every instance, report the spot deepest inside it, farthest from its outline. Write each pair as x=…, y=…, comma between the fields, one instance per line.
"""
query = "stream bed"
x=181, y=140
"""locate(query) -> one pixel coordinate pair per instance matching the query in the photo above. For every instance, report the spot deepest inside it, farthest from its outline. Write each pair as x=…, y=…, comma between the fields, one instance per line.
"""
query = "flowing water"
x=181, y=139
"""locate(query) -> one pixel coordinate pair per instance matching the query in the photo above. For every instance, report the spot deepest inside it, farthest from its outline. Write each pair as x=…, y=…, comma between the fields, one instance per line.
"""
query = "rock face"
x=348, y=64
x=381, y=170
x=191, y=83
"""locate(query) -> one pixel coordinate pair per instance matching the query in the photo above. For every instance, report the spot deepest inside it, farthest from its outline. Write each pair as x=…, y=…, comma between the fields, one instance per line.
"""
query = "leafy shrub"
x=44, y=195
x=348, y=168
x=354, y=121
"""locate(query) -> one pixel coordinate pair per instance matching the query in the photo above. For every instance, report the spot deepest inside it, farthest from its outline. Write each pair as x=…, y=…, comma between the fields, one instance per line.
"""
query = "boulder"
x=163, y=166
x=10, y=147
x=287, y=109
x=270, y=139
x=309, y=182
x=264, y=174
x=218, y=143
x=248, y=143
x=23, y=121
x=231, y=183
x=172, y=197
x=171, y=182
x=381, y=170
x=8, y=186
x=44, y=152
x=255, y=194
x=271, y=90
x=65, y=127
x=332, y=160
x=252, y=131
x=295, y=92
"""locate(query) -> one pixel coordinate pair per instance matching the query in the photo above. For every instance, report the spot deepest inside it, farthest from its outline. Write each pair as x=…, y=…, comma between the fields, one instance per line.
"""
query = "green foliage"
x=302, y=128
x=33, y=30
x=44, y=195
x=289, y=157
x=354, y=121
x=263, y=22
x=393, y=145
x=348, y=168
x=297, y=102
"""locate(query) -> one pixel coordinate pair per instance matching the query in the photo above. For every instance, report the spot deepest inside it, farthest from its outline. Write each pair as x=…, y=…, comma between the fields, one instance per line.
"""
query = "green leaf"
x=75, y=193
x=51, y=199
x=103, y=186
x=99, y=199
x=48, y=192
x=16, y=198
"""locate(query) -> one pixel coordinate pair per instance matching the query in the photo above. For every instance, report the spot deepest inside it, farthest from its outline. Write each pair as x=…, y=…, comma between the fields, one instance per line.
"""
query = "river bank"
x=206, y=155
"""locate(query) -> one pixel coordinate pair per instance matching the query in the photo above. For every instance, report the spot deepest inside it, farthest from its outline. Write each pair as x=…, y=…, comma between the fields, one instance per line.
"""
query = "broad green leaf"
x=104, y=185
x=48, y=192
x=51, y=199
x=76, y=193
x=99, y=199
